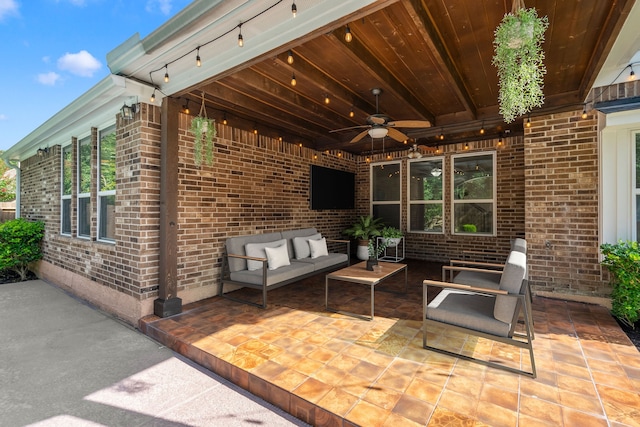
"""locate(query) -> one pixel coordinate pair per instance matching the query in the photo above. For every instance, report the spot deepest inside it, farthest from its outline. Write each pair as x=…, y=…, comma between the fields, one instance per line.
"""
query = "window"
x=426, y=205
x=84, y=187
x=473, y=194
x=385, y=193
x=107, y=184
x=65, y=202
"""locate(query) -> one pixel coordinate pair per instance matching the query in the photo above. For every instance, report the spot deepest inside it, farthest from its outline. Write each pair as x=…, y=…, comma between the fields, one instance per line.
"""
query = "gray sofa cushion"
x=324, y=261
x=301, y=245
x=511, y=281
x=519, y=245
x=468, y=310
x=480, y=279
x=257, y=250
x=290, y=234
x=273, y=276
x=235, y=246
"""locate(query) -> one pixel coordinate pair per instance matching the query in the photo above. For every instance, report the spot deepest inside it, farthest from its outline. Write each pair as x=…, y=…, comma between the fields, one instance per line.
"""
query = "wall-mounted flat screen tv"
x=331, y=188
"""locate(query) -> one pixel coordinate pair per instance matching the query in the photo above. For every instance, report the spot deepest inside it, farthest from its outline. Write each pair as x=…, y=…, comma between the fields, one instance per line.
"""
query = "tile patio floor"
x=330, y=369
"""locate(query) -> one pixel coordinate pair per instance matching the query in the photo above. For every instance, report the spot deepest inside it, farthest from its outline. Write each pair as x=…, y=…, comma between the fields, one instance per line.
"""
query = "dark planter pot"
x=370, y=263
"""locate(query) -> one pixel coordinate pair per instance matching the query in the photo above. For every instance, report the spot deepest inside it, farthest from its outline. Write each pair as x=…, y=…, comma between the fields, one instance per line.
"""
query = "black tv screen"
x=331, y=188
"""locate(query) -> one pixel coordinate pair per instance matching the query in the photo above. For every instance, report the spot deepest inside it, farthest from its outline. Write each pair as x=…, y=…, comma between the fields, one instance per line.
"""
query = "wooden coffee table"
x=358, y=273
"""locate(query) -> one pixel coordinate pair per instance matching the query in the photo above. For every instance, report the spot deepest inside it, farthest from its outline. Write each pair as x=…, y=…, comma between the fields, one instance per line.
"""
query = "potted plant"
x=363, y=230
x=203, y=130
x=623, y=261
x=374, y=252
x=519, y=59
x=392, y=236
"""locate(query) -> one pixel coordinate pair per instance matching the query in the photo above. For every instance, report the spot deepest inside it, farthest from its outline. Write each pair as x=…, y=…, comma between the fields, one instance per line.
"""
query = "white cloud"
x=48, y=79
x=46, y=59
x=163, y=5
x=3, y=117
x=81, y=64
x=8, y=7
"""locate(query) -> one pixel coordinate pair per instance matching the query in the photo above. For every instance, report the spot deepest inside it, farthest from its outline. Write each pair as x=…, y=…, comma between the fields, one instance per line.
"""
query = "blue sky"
x=52, y=51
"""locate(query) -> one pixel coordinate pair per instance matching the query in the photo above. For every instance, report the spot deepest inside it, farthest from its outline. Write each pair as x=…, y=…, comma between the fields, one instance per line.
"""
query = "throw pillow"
x=301, y=245
x=257, y=250
x=277, y=257
x=318, y=248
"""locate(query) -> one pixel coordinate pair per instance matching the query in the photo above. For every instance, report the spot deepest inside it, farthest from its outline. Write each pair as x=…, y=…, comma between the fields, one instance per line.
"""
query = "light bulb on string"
x=351, y=113
x=198, y=61
x=293, y=79
x=294, y=9
x=290, y=58
x=528, y=123
x=584, y=112
x=224, y=118
x=327, y=100
x=153, y=96
x=347, y=34
x=240, y=38
x=482, y=129
x=632, y=74
x=166, y=73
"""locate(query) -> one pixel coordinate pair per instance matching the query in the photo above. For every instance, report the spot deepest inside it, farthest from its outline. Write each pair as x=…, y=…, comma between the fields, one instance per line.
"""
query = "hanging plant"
x=203, y=130
x=519, y=59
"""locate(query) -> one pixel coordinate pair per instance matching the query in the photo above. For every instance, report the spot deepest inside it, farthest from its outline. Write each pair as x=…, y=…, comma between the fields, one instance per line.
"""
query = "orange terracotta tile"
x=413, y=409
x=307, y=366
x=541, y=409
x=312, y=390
x=289, y=379
x=395, y=420
x=588, y=404
x=367, y=371
x=338, y=401
x=496, y=415
x=572, y=417
x=499, y=397
x=424, y=390
x=367, y=414
x=382, y=397
x=443, y=417
x=458, y=403
x=330, y=375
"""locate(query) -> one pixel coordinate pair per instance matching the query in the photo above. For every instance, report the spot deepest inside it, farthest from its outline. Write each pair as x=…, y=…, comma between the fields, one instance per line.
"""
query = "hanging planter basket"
x=519, y=59
x=204, y=131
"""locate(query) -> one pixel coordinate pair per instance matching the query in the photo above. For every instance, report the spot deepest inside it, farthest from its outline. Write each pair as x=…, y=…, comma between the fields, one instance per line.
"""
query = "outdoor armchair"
x=483, y=312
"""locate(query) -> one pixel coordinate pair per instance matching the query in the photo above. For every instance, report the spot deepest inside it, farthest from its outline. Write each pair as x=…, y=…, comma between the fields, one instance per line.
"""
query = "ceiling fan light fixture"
x=378, y=132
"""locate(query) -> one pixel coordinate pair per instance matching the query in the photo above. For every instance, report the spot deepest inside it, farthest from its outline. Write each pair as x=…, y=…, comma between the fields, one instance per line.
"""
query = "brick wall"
x=561, y=192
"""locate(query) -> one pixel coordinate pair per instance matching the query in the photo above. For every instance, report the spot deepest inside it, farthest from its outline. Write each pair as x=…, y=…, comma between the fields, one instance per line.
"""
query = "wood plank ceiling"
x=432, y=61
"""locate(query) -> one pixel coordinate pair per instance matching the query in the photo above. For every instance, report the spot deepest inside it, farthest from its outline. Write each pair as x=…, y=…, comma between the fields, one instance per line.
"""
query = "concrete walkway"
x=64, y=363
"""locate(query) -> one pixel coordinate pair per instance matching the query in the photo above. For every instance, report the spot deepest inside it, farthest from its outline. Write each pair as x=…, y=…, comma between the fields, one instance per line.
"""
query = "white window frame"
x=492, y=201
x=63, y=196
x=101, y=193
x=82, y=196
x=386, y=202
x=440, y=202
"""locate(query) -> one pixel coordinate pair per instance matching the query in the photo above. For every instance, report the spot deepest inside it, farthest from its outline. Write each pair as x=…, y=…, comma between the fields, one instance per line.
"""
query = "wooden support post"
x=168, y=302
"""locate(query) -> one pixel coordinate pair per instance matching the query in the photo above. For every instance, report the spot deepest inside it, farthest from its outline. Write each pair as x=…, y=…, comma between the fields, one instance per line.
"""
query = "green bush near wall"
x=623, y=261
x=20, y=244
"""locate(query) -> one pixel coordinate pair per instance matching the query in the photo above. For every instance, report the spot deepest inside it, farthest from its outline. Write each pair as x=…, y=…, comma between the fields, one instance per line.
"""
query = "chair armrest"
x=252, y=258
x=447, y=285
x=477, y=263
x=452, y=268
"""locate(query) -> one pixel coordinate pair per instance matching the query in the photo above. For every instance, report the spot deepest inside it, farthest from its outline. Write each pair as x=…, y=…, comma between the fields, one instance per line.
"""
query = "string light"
x=290, y=58
x=500, y=140
x=584, y=111
x=240, y=39
x=224, y=118
x=528, y=124
x=185, y=107
x=466, y=145
x=441, y=136
x=632, y=74
x=153, y=96
x=293, y=79
x=351, y=113
x=294, y=9
x=255, y=129
x=326, y=99
x=347, y=34
x=198, y=61
x=166, y=73
x=482, y=129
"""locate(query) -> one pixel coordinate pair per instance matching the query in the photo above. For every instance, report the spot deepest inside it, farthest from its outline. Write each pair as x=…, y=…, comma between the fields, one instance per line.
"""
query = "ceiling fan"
x=380, y=125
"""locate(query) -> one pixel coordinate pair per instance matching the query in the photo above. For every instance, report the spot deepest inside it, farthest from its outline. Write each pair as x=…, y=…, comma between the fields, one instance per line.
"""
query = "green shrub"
x=623, y=261
x=20, y=244
x=469, y=228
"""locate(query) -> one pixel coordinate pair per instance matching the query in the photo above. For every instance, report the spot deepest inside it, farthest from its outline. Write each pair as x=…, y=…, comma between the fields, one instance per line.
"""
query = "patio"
x=330, y=369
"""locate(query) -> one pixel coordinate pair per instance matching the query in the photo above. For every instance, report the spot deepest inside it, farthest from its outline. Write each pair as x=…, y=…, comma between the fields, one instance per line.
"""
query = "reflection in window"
x=426, y=212
x=107, y=184
x=67, y=182
x=473, y=189
x=84, y=187
x=385, y=192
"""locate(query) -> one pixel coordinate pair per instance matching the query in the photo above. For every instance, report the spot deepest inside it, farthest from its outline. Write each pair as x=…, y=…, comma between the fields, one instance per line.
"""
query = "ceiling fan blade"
x=376, y=119
x=349, y=128
x=410, y=124
x=397, y=135
x=359, y=136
